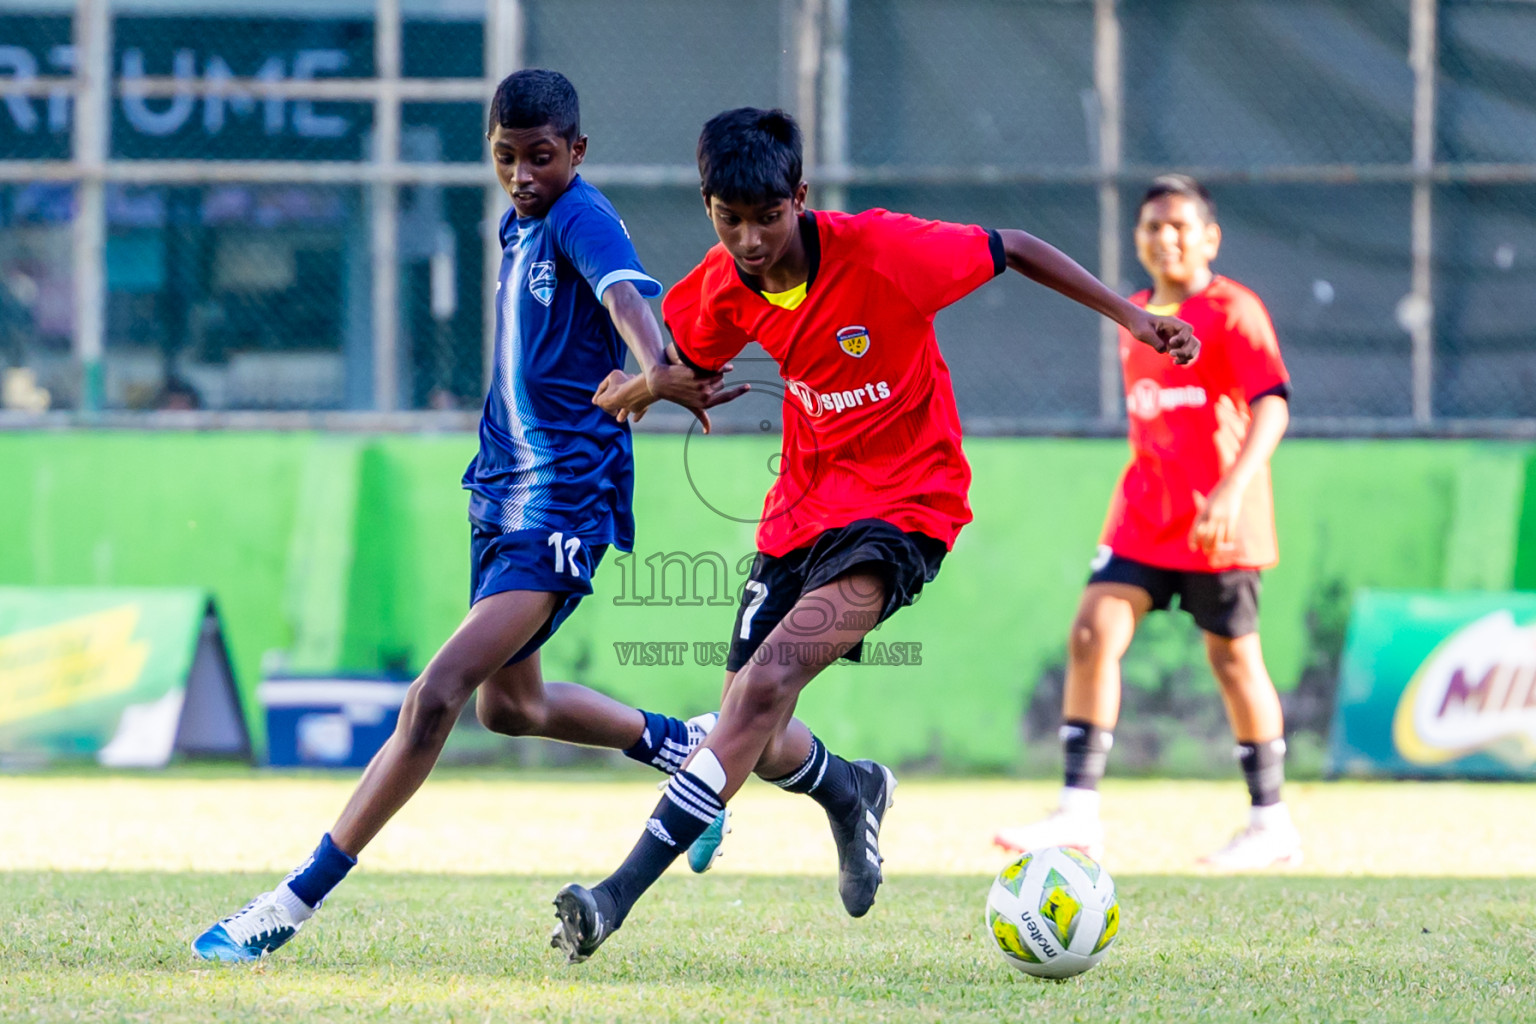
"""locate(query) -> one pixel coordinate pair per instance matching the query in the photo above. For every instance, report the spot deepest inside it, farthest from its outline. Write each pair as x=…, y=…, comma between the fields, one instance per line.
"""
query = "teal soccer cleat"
x=250, y=933
x=707, y=848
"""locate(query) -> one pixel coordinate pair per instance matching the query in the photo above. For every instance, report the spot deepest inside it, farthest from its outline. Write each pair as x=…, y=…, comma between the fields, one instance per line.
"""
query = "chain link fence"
x=287, y=207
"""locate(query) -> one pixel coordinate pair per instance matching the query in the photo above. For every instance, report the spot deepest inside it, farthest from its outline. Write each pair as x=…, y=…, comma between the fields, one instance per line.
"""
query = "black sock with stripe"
x=1263, y=767
x=826, y=778
x=1085, y=753
x=685, y=811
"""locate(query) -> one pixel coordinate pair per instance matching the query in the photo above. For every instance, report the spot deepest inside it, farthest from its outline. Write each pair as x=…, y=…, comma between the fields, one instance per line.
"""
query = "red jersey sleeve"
x=702, y=340
x=1253, y=349
x=934, y=262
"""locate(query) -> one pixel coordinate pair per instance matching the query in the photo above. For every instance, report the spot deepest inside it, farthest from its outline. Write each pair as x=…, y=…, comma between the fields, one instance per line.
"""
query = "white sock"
x=1273, y=816
x=297, y=908
x=1080, y=802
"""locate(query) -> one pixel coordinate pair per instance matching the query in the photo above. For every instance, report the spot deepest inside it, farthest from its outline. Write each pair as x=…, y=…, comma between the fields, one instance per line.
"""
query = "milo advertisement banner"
x=128, y=677
x=1438, y=685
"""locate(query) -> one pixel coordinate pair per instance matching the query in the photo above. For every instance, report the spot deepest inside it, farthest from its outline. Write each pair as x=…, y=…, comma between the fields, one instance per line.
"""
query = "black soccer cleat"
x=582, y=926
x=858, y=838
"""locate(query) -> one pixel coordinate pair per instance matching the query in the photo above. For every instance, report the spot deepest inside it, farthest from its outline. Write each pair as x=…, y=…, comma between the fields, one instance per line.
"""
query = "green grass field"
x=1418, y=903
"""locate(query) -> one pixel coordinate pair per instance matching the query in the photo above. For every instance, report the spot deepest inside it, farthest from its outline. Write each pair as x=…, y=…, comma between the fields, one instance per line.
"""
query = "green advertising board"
x=127, y=676
x=1437, y=684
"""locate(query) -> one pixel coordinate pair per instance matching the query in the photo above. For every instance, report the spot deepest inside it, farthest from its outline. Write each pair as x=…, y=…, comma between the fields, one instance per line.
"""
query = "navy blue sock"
x=313, y=880
x=826, y=778
x=663, y=743
x=685, y=811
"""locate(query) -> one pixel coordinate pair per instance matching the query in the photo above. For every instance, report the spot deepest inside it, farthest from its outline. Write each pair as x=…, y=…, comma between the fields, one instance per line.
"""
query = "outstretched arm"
x=1047, y=265
x=659, y=378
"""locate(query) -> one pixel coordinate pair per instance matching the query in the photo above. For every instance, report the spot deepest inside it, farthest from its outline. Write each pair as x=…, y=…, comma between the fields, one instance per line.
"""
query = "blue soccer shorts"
x=549, y=561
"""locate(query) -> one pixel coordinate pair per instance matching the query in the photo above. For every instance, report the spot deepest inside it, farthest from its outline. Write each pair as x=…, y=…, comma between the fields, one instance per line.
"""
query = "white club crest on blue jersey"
x=541, y=280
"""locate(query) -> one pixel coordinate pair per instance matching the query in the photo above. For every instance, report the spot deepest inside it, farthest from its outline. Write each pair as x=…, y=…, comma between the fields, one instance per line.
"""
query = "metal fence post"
x=384, y=194
x=503, y=55
x=1107, y=83
x=1417, y=310
x=834, y=107
x=808, y=56
x=93, y=66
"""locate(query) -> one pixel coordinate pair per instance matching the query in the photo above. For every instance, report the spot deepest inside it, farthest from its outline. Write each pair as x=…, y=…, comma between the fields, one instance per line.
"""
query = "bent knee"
x=1088, y=641
x=1223, y=658
x=1234, y=653
x=507, y=716
x=431, y=707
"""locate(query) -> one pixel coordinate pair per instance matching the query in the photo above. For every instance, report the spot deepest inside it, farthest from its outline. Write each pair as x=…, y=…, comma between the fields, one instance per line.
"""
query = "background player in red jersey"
x=873, y=488
x=1193, y=517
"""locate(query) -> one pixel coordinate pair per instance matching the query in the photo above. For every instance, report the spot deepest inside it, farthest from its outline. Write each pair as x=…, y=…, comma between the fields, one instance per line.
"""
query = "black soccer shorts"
x=904, y=561
x=1224, y=603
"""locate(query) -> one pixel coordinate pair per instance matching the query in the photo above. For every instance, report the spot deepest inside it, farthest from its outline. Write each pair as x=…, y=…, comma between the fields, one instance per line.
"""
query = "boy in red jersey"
x=1193, y=516
x=873, y=489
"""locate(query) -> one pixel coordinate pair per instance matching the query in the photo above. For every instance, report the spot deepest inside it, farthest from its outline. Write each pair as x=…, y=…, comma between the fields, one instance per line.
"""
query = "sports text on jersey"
x=1145, y=399
x=838, y=401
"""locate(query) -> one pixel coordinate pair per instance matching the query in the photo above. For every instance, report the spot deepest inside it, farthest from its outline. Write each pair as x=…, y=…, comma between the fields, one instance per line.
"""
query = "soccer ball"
x=1053, y=913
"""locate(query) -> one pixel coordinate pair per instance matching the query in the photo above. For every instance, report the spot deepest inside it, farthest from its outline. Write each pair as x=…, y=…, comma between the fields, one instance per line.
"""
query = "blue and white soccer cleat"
x=248, y=934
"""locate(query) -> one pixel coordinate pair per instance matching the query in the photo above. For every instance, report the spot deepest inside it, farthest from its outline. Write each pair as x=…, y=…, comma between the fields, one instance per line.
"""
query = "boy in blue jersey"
x=549, y=493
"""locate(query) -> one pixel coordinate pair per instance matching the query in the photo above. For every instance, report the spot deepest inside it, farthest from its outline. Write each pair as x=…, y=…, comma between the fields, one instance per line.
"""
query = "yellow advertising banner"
x=128, y=676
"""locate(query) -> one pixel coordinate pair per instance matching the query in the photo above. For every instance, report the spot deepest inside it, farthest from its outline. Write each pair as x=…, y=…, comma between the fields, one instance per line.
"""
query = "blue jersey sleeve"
x=594, y=239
